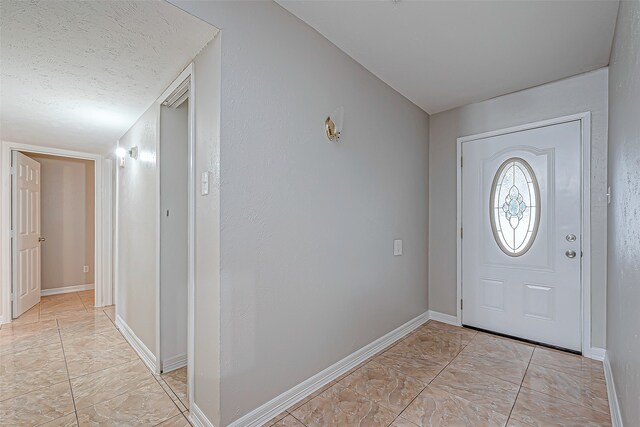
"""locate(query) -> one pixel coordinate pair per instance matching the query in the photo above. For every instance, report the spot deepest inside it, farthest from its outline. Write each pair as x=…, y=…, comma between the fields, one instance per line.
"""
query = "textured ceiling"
x=443, y=54
x=77, y=74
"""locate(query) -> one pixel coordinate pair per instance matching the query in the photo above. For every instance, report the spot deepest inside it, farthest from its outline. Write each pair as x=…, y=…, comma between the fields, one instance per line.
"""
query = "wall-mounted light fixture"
x=333, y=124
x=121, y=153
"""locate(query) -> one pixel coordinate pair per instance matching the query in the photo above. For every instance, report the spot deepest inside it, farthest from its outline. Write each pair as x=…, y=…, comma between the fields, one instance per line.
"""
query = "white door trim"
x=585, y=275
x=103, y=201
x=187, y=73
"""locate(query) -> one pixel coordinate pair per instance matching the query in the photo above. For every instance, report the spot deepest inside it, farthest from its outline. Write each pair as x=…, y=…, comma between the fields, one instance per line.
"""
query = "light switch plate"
x=397, y=247
x=204, y=183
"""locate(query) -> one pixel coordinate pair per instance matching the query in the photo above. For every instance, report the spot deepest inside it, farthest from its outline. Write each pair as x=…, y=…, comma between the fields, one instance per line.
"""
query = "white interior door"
x=521, y=245
x=26, y=225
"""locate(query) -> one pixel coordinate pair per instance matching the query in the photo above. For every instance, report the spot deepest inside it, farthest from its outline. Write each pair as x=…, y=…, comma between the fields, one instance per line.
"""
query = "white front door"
x=521, y=244
x=26, y=225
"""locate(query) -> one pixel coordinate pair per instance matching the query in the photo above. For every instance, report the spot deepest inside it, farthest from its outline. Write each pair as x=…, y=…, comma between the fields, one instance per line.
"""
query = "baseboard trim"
x=595, y=353
x=66, y=289
x=173, y=363
x=197, y=417
x=614, y=406
x=444, y=318
x=145, y=354
x=275, y=406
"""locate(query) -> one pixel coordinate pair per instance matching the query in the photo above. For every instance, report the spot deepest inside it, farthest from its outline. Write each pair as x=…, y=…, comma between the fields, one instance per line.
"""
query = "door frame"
x=585, y=265
x=103, y=202
x=187, y=73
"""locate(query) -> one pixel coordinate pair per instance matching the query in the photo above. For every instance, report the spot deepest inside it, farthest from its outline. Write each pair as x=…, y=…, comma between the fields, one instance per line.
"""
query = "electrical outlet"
x=85, y=269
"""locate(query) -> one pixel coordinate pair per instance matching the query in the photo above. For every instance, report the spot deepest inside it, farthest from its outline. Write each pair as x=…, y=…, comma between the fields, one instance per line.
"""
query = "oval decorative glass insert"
x=515, y=206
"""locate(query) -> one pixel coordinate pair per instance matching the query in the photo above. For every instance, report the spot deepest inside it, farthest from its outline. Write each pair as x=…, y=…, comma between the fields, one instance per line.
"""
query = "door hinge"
x=13, y=234
x=460, y=304
x=461, y=232
x=13, y=170
x=461, y=162
x=12, y=296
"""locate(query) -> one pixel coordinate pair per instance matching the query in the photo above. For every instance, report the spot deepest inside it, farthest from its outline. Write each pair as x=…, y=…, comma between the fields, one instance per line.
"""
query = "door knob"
x=570, y=254
x=41, y=239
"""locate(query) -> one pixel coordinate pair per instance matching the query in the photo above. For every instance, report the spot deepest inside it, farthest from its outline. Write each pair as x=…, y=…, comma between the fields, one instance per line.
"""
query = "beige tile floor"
x=64, y=363
x=441, y=375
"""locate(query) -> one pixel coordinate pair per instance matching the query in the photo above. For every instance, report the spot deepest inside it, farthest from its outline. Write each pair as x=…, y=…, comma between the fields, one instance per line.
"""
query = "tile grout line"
x=436, y=376
x=493, y=376
x=64, y=355
x=381, y=353
x=81, y=302
x=550, y=395
x=169, y=390
x=294, y=417
x=59, y=330
x=521, y=382
x=172, y=391
x=409, y=404
x=432, y=379
x=373, y=359
x=124, y=392
x=110, y=319
x=560, y=371
x=159, y=378
x=332, y=383
x=567, y=401
x=116, y=396
x=85, y=307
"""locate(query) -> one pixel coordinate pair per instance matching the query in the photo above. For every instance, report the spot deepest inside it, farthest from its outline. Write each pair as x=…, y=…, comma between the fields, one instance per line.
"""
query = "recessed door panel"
x=539, y=301
x=492, y=294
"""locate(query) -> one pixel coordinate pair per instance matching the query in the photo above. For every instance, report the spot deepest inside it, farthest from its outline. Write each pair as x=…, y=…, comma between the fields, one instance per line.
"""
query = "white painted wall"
x=173, y=163
x=586, y=92
x=623, y=290
x=137, y=193
x=67, y=219
x=307, y=268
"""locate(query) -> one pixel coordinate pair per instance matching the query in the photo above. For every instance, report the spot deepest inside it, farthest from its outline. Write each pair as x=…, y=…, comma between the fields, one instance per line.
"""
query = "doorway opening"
x=90, y=182
x=176, y=237
x=53, y=243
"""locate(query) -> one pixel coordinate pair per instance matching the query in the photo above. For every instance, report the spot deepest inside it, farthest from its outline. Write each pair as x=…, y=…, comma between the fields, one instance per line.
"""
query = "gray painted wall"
x=586, y=92
x=137, y=194
x=207, y=239
x=623, y=288
x=307, y=226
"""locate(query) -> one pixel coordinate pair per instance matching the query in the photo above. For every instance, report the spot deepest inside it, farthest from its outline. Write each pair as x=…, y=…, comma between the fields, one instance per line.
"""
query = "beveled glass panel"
x=515, y=206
